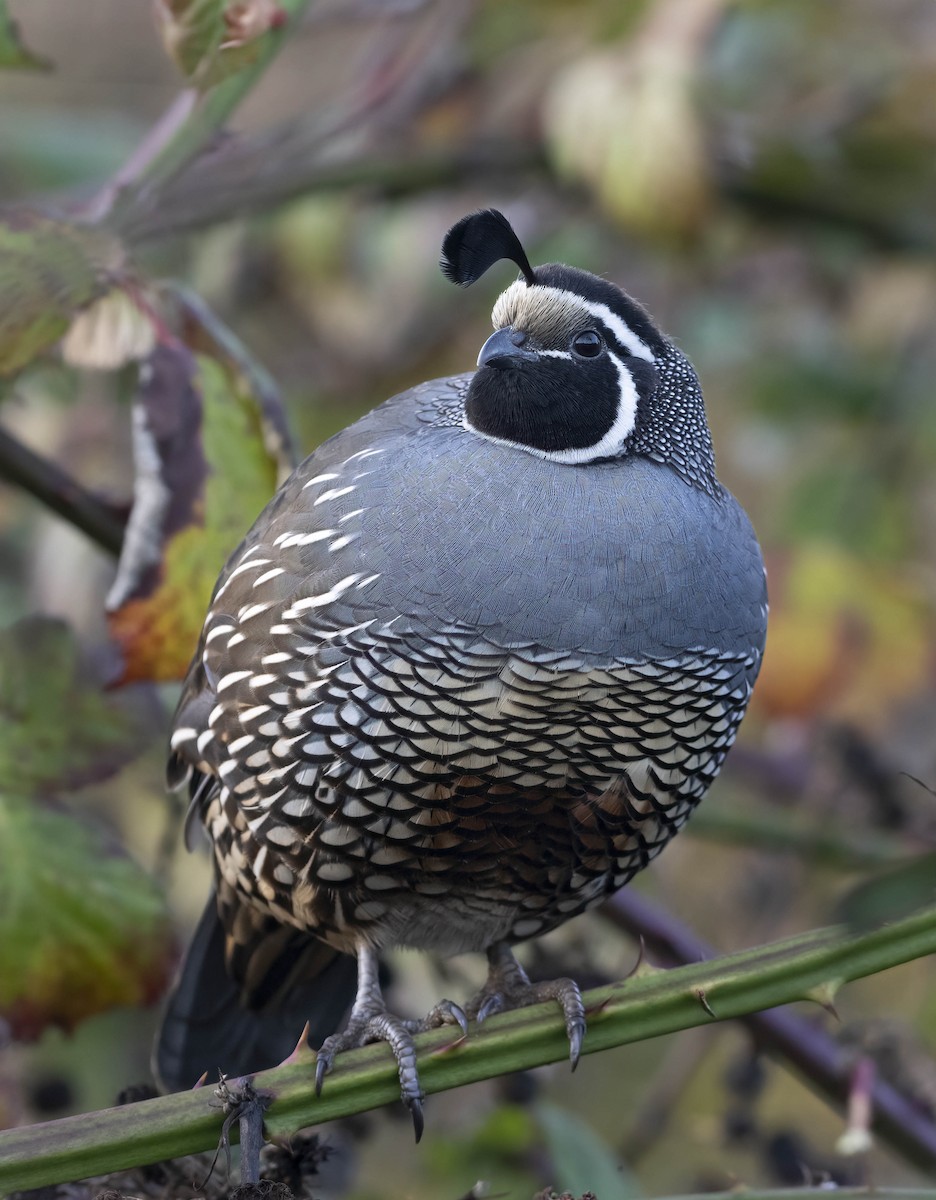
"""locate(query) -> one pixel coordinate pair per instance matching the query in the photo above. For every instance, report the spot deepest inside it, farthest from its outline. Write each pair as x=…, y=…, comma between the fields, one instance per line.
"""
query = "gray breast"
x=614, y=560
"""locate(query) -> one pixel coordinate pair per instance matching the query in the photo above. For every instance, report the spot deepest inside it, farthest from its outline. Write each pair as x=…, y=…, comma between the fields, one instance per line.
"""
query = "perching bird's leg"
x=371, y=1022
x=507, y=987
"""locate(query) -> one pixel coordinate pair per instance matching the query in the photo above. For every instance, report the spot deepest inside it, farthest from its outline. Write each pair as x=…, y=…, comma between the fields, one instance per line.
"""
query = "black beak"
x=504, y=349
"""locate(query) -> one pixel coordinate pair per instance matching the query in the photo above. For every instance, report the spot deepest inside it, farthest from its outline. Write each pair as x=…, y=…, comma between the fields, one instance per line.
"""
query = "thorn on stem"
x=302, y=1049
x=641, y=953
x=599, y=1007
x=700, y=996
x=448, y=1047
x=824, y=996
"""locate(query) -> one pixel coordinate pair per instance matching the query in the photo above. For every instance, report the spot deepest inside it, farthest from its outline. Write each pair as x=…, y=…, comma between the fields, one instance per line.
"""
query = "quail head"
x=471, y=669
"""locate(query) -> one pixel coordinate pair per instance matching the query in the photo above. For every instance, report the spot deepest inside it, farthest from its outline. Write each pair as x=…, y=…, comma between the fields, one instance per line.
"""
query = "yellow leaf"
x=845, y=637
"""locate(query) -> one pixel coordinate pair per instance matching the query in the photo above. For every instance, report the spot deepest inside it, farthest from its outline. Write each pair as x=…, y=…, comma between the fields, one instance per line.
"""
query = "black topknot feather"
x=478, y=241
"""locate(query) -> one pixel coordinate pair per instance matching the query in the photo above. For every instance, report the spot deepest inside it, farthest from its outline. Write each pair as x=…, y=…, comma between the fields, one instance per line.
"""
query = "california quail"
x=471, y=669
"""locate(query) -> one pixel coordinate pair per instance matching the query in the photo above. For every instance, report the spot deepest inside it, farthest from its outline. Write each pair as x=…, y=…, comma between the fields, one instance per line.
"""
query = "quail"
x=470, y=670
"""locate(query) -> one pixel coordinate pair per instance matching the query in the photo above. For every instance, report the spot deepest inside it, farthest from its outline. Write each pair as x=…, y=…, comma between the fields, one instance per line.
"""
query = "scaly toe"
x=355, y=1034
x=380, y=1027
x=386, y=1028
x=509, y=988
x=567, y=995
x=446, y=1012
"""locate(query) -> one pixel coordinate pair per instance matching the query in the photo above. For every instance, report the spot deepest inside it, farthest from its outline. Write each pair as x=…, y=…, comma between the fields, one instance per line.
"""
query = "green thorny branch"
x=650, y=1003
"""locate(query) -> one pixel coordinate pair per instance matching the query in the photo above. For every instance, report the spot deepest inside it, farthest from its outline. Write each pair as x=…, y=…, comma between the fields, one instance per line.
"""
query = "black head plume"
x=478, y=241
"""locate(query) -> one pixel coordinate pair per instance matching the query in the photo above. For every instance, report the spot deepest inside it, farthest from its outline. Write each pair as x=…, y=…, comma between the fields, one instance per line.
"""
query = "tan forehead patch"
x=549, y=314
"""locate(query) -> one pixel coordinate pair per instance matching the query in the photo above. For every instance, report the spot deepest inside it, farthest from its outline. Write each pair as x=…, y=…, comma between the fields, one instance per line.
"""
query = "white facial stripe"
x=521, y=300
x=622, y=332
x=554, y=354
x=621, y=428
x=610, y=444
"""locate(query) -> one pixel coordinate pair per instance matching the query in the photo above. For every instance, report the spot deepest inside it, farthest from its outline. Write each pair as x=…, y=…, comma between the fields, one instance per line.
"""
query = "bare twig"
x=148, y=150
x=785, y=832
x=250, y=174
x=47, y=482
x=796, y=1042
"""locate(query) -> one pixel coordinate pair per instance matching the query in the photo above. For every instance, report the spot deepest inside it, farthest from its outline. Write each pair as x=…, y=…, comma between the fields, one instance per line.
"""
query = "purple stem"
x=810, y=1050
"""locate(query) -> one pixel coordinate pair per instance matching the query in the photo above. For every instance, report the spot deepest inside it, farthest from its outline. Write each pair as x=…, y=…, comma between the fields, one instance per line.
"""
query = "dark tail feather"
x=214, y=1024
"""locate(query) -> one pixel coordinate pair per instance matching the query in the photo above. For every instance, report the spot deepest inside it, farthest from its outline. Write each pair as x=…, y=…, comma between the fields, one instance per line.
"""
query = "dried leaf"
x=245, y=25
x=57, y=728
x=206, y=333
x=204, y=472
x=82, y=929
x=49, y=270
x=211, y=40
x=192, y=31
x=13, y=53
x=247, y=20
x=110, y=333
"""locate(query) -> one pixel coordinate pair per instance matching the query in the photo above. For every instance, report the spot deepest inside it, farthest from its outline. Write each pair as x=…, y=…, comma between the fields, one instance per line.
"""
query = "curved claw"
x=576, y=1037
x=414, y=1104
x=452, y=1014
x=492, y=1004
x=322, y=1067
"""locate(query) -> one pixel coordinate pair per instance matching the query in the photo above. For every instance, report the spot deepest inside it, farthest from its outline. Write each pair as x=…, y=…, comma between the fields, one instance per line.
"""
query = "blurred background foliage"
x=762, y=175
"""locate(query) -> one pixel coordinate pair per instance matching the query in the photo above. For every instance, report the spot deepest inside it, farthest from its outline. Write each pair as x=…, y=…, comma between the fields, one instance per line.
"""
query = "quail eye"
x=587, y=344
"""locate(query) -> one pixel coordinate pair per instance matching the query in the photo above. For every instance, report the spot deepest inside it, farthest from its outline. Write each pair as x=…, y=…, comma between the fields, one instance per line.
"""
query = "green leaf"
x=210, y=40
x=57, y=729
x=890, y=894
x=192, y=31
x=82, y=929
x=582, y=1161
x=13, y=53
x=210, y=445
x=49, y=270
